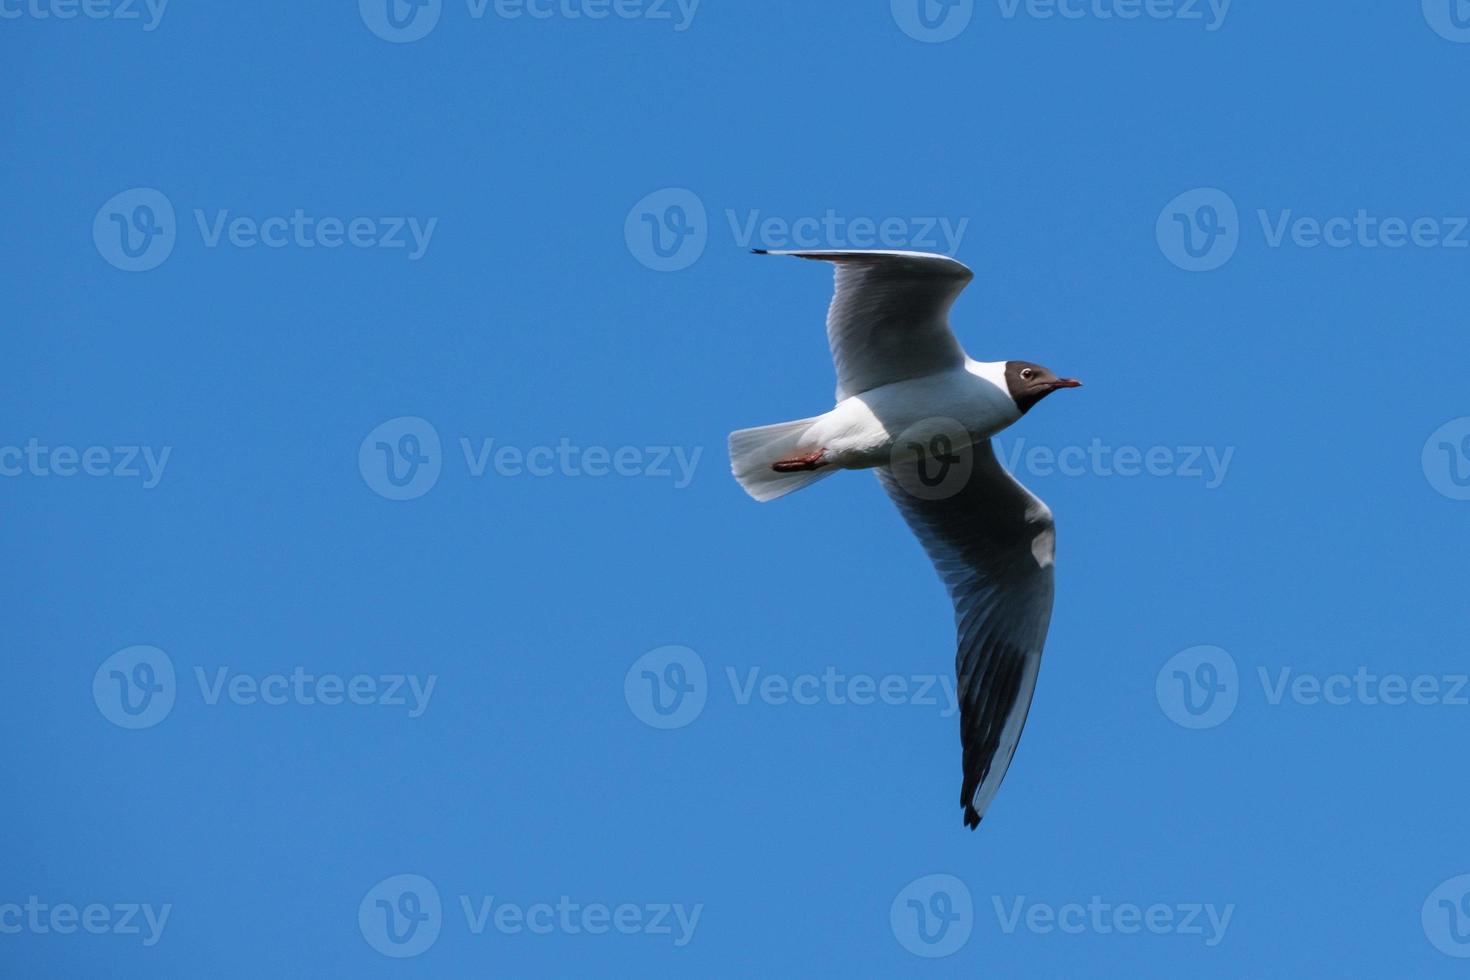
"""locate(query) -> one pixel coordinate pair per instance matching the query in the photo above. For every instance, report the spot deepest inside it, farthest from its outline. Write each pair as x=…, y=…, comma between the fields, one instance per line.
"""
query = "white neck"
x=994, y=373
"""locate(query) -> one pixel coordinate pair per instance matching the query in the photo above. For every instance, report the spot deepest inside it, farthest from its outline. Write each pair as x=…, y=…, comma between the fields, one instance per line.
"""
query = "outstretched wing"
x=991, y=541
x=889, y=318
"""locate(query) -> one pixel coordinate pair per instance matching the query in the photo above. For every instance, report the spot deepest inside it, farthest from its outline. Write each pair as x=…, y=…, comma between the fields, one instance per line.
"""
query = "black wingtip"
x=972, y=818
x=760, y=251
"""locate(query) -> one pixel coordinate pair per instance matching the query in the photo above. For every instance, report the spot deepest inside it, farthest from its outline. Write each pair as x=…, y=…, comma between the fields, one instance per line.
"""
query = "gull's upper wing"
x=889, y=318
x=991, y=541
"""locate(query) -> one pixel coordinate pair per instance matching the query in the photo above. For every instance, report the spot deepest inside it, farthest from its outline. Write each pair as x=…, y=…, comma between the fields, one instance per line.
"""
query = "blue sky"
x=275, y=708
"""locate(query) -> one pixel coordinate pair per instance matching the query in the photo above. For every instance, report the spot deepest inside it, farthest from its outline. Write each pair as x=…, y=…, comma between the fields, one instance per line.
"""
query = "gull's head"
x=1029, y=383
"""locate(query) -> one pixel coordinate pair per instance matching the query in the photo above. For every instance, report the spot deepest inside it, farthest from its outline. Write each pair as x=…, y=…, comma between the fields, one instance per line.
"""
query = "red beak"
x=1065, y=383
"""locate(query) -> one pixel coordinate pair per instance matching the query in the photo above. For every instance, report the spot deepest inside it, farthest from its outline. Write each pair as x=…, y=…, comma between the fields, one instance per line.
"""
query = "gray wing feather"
x=889, y=317
x=991, y=541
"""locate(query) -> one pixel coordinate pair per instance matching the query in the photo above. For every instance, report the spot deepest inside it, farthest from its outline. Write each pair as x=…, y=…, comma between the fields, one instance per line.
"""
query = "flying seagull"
x=912, y=405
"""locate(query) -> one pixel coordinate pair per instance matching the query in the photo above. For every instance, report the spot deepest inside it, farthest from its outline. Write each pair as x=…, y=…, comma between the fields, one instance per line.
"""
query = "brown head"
x=1030, y=383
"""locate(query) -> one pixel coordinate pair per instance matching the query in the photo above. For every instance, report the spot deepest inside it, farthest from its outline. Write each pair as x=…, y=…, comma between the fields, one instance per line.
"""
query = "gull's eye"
x=1027, y=374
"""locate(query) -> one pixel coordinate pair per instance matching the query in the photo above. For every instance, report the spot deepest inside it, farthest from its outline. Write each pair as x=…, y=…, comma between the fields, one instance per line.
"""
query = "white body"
x=860, y=431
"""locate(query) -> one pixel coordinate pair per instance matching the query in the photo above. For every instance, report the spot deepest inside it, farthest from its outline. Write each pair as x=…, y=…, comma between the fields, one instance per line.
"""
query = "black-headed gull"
x=912, y=404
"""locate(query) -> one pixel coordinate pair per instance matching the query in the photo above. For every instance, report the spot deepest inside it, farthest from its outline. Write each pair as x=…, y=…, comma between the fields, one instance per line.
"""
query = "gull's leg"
x=793, y=464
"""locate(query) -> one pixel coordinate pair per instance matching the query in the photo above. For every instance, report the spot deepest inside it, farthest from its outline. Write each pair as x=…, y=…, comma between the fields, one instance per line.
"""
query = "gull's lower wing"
x=889, y=318
x=991, y=540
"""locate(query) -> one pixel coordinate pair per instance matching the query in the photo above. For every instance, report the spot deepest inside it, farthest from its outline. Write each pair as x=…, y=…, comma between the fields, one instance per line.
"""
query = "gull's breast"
x=861, y=430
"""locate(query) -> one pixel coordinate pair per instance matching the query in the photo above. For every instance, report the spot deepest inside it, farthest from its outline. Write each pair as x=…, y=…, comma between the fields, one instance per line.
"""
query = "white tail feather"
x=752, y=451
